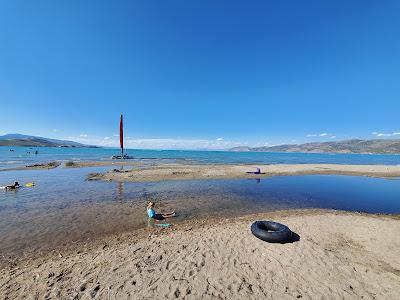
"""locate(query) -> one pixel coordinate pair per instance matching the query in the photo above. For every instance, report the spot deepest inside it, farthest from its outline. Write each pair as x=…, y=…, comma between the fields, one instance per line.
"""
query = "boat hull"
x=121, y=157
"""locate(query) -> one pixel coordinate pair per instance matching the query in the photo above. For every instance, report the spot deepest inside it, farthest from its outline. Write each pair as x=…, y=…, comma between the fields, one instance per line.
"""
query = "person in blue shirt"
x=153, y=215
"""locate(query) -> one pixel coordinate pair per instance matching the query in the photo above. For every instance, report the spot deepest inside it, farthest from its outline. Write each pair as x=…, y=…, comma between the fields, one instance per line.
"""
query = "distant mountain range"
x=14, y=140
x=348, y=146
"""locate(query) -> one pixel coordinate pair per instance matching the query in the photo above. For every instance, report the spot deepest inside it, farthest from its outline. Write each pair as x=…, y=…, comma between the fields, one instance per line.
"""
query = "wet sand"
x=42, y=166
x=85, y=164
x=190, y=172
x=339, y=255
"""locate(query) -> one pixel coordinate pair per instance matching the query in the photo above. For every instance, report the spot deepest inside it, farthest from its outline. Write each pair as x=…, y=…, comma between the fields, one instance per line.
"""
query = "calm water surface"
x=63, y=207
x=21, y=157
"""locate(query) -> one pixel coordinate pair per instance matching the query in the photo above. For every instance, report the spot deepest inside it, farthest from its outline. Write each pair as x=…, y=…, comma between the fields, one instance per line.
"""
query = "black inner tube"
x=271, y=232
x=271, y=226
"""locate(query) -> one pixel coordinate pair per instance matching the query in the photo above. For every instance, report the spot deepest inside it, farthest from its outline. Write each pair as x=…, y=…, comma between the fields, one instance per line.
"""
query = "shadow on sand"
x=293, y=239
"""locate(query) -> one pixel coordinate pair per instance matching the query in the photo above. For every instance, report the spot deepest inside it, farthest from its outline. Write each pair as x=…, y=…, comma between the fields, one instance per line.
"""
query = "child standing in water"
x=153, y=215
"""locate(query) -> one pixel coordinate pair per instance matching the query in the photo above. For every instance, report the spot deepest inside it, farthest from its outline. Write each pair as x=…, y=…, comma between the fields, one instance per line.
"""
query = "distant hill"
x=348, y=146
x=14, y=140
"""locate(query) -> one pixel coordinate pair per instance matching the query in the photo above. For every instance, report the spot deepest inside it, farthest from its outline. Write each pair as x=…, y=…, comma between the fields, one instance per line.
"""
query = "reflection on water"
x=63, y=207
x=120, y=191
x=120, y=188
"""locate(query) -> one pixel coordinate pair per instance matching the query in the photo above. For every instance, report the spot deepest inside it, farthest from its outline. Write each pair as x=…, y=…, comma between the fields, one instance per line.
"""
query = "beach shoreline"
x=339, y=254
x=162, y=172
x=153, y=170
x=38, y=166
x=106, y=163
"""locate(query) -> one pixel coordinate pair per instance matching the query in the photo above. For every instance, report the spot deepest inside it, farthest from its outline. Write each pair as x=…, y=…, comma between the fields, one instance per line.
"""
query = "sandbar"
x=86, y=164
x=39, y=166
x=215, y=171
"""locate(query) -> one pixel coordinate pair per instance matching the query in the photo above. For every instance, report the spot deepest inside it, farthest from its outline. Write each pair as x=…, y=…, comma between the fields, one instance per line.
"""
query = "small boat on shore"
x=121, y=142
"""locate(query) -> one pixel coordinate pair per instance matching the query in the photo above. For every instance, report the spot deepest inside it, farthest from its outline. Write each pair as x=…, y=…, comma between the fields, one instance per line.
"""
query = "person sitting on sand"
x=13, y=186
x=153, y=215
x=257, y=172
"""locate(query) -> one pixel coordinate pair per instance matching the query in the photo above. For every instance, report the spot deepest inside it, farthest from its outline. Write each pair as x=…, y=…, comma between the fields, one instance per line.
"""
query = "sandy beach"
x=339, y=255
x=187, y=172
x=199, y=150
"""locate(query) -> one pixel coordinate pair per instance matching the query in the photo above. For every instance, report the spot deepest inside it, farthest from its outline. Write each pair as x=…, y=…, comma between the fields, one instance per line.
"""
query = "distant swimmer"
x=12, y=186
x=36, y=152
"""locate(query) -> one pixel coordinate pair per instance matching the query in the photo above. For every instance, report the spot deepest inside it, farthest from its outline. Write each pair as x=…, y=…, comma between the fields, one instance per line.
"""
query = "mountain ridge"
x=22, y=140
x=375, y=146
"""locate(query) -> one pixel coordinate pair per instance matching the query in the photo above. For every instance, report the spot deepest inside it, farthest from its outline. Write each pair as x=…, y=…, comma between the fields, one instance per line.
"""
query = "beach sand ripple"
x=339, y=255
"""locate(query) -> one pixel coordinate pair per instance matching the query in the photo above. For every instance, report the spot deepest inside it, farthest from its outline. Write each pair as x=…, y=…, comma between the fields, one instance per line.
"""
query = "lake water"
x=63, y=207
x=22, y=156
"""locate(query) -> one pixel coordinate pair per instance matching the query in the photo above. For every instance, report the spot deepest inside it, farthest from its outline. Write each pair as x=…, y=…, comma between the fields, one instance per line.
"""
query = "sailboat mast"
x=121, y=136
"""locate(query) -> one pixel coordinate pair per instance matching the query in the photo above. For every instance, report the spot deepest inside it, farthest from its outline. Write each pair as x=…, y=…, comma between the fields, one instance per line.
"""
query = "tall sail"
x=121, y=136
x=121, y=142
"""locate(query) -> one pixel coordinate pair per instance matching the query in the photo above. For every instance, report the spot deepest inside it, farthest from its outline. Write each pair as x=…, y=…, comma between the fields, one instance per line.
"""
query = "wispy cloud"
x=158, y=143
x=323, y=134
x=181, y=143
x=381, y=134
x=333, y=137
x=83, y=135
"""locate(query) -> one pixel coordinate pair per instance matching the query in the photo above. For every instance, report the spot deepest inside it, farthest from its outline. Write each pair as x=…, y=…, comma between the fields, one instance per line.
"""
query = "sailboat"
x=121, y=142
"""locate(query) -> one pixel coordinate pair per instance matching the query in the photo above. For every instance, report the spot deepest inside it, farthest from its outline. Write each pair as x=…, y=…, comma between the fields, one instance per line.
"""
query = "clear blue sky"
x=186, y=73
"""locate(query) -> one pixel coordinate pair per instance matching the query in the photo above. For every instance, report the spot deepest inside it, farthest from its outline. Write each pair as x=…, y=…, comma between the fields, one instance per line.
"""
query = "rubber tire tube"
x=271, y=232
